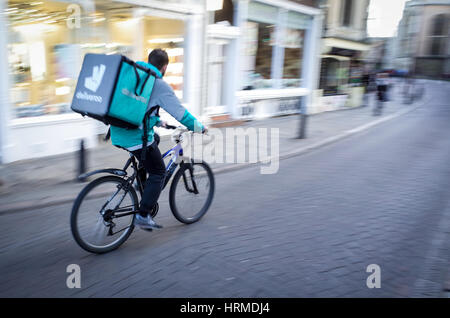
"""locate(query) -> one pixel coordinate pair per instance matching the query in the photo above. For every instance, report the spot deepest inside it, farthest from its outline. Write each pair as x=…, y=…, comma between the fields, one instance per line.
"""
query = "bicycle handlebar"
x=170, y=127
x=175, y=127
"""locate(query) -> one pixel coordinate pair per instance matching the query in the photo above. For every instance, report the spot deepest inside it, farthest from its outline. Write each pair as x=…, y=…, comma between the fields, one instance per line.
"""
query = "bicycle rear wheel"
x=95, y=220
x=191, y=192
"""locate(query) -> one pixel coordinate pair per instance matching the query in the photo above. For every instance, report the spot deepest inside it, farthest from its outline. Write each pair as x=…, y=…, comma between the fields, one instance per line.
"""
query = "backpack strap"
x=138, y=79
x=144, y=137
x=145, y=82
x=108, y=134
x=145, y=131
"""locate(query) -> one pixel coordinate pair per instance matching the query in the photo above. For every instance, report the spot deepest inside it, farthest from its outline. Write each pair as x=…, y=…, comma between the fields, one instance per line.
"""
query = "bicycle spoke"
x=114, y=233
x=109, y=204
x=192, y=193
x=99, y=230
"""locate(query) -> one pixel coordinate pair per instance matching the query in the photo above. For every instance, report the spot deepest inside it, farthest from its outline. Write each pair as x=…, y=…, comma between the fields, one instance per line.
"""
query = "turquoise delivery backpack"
x=114, y=90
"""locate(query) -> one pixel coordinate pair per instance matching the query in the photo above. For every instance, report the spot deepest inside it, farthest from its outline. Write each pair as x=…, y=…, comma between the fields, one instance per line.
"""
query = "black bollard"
x=302, y=130
x=303, y=118
x=81, y=161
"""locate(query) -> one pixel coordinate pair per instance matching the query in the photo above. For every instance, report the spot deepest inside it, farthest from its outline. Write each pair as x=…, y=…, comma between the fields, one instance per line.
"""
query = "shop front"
x=341, y=74
x=45, y=45
x=262, y=59
x=277, y=59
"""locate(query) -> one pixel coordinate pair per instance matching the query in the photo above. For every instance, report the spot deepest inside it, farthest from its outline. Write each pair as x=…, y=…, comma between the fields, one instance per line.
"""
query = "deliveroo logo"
x=93, y=82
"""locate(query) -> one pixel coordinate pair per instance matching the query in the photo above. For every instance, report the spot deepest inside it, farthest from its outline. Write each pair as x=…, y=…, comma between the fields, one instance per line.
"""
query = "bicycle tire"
x=172, y=194
x=75, y=209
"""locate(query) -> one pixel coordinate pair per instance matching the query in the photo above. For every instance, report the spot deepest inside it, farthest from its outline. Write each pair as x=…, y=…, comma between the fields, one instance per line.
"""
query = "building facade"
x=242, y=59
x=381, y=55
x=43, y=44
x=262, y=58
x=344, y=42
x=422, y=44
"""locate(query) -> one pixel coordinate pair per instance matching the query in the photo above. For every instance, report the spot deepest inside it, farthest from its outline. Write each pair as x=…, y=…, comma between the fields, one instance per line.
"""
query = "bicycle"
x=115, y=216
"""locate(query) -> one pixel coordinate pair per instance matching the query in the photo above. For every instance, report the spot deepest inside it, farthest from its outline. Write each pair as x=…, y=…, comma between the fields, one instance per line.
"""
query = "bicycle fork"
x=194, y=184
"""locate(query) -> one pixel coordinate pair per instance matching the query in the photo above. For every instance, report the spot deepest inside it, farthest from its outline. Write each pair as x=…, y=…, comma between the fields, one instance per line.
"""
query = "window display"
x=259, y=54
x=168, y=34
x=293, y=44
x=45, y=54
x=293, y=38
x=273, y=39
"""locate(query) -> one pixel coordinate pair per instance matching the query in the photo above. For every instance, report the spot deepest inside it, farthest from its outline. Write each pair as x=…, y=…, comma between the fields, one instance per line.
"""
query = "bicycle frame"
x=126, y=184
x=176, y=153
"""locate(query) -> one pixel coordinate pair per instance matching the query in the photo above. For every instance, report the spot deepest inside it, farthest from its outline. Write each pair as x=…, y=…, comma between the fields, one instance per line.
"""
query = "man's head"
x=159, y=59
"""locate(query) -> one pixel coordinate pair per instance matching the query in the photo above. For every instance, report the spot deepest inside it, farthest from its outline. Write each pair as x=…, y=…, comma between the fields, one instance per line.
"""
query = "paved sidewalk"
x=49, y=181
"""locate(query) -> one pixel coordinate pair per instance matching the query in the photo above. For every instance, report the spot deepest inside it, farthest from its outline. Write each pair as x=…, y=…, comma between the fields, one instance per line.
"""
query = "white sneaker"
x=146, y=222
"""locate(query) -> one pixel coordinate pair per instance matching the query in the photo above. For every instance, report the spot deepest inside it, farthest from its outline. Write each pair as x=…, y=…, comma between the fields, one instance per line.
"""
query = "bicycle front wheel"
x=191, y=192
x=102, y=217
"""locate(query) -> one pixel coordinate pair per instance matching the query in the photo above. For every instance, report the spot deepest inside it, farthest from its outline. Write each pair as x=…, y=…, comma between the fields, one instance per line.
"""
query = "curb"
x=38, y=204
x=319, y=144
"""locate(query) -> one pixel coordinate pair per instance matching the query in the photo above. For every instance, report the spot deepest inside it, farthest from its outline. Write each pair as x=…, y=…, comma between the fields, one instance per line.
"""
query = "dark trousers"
x=154, y=165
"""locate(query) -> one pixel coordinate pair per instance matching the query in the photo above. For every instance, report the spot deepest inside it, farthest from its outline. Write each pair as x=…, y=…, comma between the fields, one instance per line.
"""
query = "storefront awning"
x=330, y=43
x=336, y=57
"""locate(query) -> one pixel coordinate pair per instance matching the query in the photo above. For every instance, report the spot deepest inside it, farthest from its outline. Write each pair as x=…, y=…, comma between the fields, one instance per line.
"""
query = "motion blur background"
x=229, y=60
x=350, y=189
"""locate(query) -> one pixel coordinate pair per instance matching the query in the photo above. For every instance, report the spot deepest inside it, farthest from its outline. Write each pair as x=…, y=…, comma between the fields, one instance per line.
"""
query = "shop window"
x=293, y=52
x=216, y=73
x=273, y=44
x=167, y=34
x=45, y=54
x=38, y=65
x=259, y=39
x=333, y=76
x=438, y=36
x=258, y=54
x=293, y=48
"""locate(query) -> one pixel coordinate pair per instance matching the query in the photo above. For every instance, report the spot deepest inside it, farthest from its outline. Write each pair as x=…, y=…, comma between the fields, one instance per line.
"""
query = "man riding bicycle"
x=131, y=139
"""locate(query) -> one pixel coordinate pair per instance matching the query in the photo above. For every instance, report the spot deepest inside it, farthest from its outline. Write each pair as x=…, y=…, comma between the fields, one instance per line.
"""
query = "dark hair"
x=158, y=58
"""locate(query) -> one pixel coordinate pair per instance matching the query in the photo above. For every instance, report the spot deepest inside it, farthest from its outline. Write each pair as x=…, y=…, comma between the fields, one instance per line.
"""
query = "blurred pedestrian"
x=382, y=87
x=366, y=81
x=408, y=89
x=389, y=86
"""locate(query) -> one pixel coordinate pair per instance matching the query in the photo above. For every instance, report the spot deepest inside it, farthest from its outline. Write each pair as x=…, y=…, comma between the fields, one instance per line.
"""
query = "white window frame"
x=342, y=14
x=277, y=63
x=310, y=63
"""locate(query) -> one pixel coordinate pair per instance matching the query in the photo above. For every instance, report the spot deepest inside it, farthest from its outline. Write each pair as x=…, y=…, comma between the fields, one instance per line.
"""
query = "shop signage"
x=270, y=107
x=291, y=105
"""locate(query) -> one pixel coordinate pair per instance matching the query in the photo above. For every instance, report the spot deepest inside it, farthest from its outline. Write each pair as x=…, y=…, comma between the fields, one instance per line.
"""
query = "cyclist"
x=131, y=139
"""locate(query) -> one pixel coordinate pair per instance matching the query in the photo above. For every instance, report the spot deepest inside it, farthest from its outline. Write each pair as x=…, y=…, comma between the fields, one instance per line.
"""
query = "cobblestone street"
x=381, y=196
